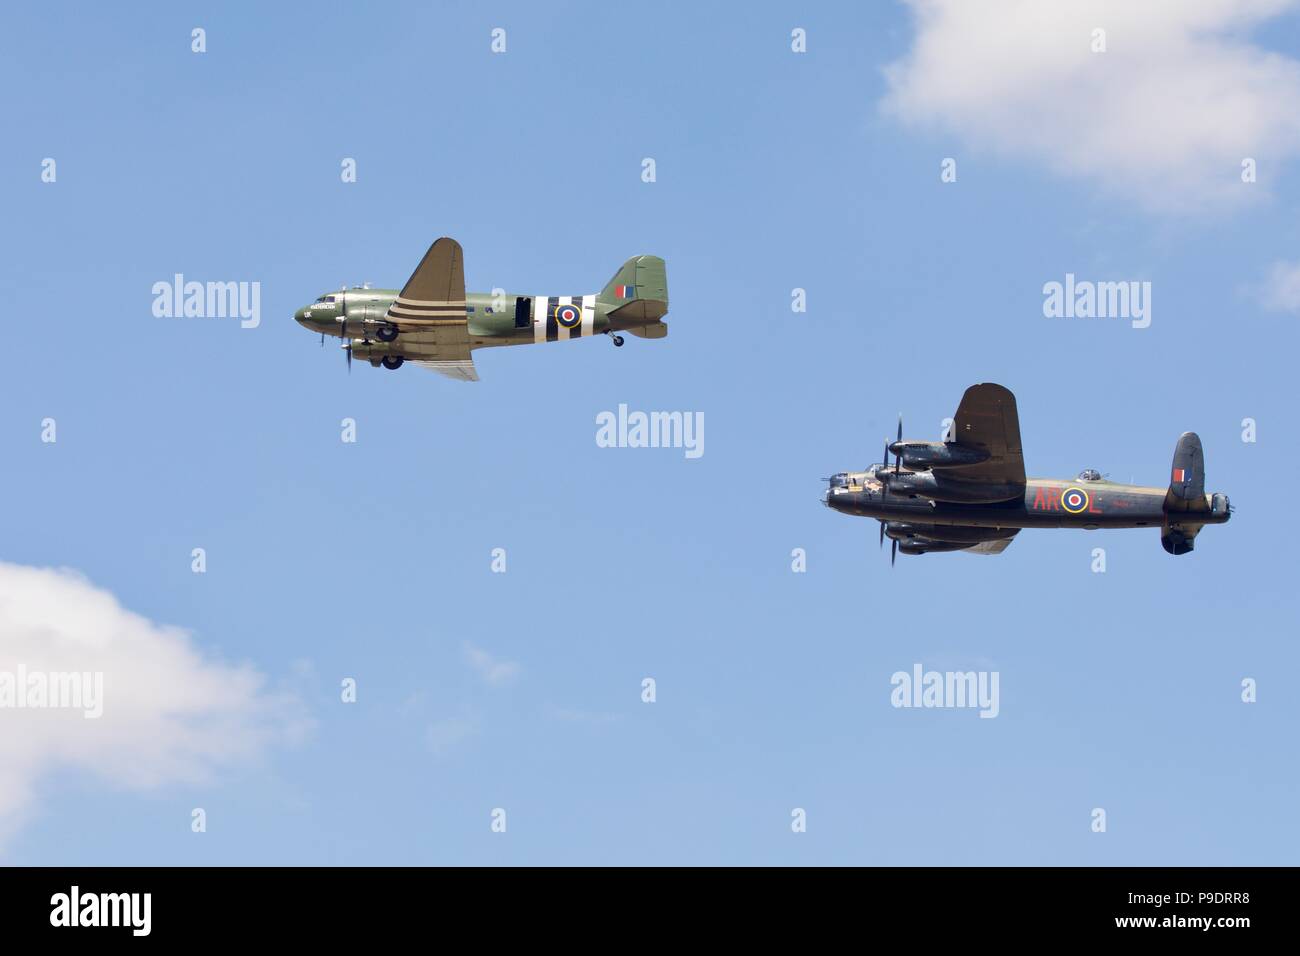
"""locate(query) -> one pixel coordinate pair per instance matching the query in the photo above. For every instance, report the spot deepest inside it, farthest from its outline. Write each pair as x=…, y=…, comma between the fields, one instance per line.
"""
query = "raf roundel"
x=568, y=315
x=1074, y=500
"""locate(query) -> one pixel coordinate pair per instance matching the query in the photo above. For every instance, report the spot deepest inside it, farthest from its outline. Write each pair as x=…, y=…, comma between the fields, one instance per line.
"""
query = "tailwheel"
x=618, y=341
x=392, y=361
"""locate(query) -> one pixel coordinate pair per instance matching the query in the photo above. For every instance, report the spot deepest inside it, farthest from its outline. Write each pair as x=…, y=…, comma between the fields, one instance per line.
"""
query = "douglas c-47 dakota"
x=434, y=323
x=971, y=494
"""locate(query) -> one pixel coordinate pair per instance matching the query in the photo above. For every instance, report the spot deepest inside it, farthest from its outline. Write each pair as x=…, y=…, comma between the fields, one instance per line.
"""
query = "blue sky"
x=522, y=690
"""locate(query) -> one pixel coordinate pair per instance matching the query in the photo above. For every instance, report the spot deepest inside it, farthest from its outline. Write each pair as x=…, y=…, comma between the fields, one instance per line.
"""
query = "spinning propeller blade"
x=884, y=463
x=343, y=317
x=898, y=440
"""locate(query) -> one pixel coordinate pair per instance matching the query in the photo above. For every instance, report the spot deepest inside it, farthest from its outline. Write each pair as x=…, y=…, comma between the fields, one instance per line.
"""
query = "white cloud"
x=1165, y=116
x=170, y=715
x=495, y=672
x=1281, y=290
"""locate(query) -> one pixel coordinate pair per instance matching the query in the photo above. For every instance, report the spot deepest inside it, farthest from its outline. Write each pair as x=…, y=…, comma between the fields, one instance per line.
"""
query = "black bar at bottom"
x=210, y=905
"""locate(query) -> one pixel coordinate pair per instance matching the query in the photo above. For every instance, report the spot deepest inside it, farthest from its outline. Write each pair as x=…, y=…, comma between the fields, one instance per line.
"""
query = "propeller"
x=893, y=544
x=343, y=317
x=884, y=483
x=898, y=441
x=884, y=462
x=884, y=487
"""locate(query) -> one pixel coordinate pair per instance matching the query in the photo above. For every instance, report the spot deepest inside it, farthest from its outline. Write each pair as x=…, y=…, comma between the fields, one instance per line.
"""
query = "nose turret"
x=841, y=494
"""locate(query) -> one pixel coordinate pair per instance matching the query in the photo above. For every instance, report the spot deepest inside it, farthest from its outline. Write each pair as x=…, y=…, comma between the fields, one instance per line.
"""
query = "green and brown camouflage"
x=970, y=493
x=433, y=322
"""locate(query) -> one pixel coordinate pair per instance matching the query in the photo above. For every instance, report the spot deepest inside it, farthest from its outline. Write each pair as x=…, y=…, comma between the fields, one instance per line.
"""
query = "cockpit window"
x=1090, y=474
x=326, y=298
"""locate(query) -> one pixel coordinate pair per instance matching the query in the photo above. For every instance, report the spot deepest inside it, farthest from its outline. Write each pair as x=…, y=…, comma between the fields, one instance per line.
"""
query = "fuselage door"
x=523, y=312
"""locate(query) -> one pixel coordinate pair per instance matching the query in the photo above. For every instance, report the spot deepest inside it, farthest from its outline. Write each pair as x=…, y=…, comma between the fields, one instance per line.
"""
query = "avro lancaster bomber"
x=970, y=493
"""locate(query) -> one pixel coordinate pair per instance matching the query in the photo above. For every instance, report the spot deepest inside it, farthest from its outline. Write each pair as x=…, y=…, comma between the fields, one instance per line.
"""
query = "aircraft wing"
x=992, y=547
x=442, y=349
x=987, y=419
x=434, y=296
x=430, y=312
x=461, y=369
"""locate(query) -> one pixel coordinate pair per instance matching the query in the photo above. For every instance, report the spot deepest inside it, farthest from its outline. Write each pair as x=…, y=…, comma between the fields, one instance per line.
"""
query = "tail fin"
x=1187, y=481
x=639, y=290
x=1185, y=498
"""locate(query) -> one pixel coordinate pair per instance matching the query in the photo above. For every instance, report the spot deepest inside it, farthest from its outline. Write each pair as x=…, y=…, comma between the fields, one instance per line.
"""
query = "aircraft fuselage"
x=493, y=319
x=1046, y=503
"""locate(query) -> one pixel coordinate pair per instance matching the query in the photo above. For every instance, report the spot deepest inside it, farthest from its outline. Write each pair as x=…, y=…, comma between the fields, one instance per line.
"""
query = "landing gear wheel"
x=392, y=361
x=618, y=341
x=387, y=333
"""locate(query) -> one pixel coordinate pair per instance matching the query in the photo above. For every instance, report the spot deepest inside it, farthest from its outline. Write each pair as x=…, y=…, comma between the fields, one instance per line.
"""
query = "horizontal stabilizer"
x=658, y=330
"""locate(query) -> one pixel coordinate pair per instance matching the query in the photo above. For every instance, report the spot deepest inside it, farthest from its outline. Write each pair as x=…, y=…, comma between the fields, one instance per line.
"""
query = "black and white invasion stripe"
x=547, y=329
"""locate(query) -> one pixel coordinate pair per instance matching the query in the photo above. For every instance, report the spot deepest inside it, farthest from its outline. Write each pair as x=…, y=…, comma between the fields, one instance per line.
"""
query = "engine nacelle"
x=921, y=455
x=924, y=545
x=926, y=484
x=947, y=534
x=370, y=352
